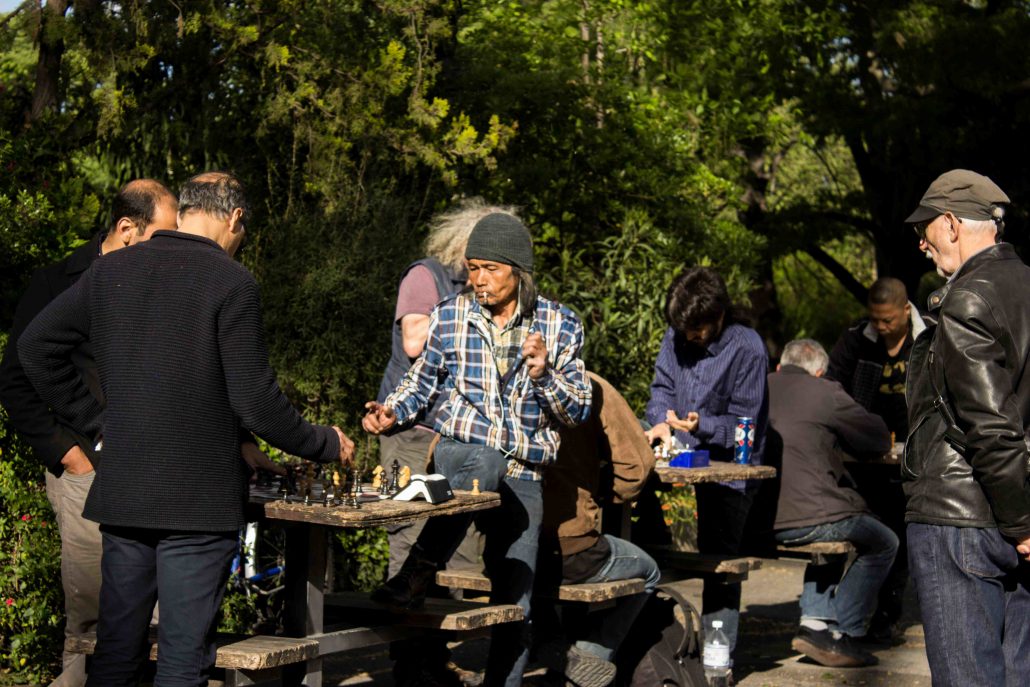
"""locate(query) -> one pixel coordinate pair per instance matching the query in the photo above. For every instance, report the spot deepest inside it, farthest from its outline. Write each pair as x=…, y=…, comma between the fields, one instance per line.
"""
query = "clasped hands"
x=663, y=430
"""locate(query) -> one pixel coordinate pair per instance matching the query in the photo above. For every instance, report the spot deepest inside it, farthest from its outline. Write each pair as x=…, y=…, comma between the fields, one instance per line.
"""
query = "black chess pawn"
x=284, y=487
x=395, y=478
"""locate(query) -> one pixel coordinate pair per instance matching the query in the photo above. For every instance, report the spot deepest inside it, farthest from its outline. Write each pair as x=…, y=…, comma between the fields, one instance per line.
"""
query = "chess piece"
x=395, y=477
x=336, y=489
x=284, y=487
x=475, y=487
x=405, y=477
x=377, y=477
x=355, y=490
x=358, y=489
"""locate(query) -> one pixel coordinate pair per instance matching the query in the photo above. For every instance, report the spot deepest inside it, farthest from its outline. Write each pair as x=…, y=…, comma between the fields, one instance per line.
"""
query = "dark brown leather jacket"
x=977, y=358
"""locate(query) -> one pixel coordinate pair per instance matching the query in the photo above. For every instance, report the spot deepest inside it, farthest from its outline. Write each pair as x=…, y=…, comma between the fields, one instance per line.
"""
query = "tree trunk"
x=48, y=67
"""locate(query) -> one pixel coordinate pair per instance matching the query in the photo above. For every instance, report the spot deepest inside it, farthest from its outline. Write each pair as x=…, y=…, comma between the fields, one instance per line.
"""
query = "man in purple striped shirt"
x=711, y=370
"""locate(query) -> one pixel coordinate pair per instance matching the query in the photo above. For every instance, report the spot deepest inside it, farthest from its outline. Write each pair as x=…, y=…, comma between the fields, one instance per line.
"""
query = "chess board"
x=371, y=511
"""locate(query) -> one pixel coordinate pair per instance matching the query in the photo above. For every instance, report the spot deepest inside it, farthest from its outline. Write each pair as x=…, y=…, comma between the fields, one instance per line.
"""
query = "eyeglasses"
x=921, y=227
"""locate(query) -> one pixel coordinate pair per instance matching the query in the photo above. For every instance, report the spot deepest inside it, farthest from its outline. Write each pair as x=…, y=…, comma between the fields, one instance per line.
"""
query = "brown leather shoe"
x=824, y=649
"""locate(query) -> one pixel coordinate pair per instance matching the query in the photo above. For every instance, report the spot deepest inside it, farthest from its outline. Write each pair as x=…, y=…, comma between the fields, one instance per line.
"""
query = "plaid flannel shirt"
x=521, y=419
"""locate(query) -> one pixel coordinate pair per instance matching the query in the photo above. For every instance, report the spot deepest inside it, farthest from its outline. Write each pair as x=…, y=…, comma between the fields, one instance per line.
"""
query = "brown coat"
x=573, y=484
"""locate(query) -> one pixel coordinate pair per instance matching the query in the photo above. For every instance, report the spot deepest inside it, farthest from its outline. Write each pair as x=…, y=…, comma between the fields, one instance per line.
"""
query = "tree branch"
x=853, y=286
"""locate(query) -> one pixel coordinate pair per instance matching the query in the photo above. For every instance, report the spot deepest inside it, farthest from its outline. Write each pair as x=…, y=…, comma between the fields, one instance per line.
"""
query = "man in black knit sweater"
x=175, y=326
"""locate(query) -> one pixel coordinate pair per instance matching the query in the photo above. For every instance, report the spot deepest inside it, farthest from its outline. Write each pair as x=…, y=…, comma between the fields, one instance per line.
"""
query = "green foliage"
x=361, y=559
x=30, y=552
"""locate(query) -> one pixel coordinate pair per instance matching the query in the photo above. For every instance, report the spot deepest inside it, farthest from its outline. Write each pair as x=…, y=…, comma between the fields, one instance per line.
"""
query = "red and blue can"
x=744, y=439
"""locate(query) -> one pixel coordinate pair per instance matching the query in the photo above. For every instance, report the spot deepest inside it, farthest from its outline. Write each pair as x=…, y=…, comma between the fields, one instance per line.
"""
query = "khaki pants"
x=80, y=567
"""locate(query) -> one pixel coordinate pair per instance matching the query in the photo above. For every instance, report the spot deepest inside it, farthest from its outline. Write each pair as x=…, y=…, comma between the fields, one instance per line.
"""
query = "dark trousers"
x=721, y=516
x=188, y=572
x=974, y=597
x=880, y=486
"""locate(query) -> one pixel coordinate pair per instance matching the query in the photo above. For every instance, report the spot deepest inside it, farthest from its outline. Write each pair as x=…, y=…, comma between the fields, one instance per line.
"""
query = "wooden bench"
x=817, y=552
x=726, y=569
x=246, y=660
x=593, y=592
x=436, y=614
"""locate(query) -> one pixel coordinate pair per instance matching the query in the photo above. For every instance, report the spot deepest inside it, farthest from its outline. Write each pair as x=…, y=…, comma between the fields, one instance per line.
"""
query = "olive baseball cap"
x=965, y=194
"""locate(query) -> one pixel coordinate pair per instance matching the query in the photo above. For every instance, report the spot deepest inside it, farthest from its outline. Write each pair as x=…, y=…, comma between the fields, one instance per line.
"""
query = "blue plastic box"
x=690, y=459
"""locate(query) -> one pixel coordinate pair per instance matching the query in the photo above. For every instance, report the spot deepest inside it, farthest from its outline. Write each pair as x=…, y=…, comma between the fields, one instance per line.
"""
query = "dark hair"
x=213, y=193
x=888, y=291
x=137, y=201
x=697, y=297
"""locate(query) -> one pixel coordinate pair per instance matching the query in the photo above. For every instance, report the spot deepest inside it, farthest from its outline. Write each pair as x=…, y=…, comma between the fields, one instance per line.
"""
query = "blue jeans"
x=187, y=571
x=512, y=536
x=610, y=626
x=846, y=600
x=974, y=597
x=721, y=515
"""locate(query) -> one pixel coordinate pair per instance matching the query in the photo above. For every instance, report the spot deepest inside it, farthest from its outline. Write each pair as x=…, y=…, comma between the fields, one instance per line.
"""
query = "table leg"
x=306, y=547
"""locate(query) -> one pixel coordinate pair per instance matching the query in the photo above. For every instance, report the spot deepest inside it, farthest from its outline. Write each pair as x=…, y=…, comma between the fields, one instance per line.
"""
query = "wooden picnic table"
x=717, y=471
x=306, y=560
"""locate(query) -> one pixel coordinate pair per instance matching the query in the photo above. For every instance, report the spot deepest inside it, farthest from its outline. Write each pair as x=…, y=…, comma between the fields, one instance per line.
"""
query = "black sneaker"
x=407, y=589
x=580, y=668
x=824, y=649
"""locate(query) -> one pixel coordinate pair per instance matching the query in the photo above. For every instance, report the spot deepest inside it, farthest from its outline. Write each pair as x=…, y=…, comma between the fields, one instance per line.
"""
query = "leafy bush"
x=31, y=600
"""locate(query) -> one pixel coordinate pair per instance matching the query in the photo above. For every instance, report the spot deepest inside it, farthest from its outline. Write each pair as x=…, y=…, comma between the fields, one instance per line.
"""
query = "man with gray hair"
x=812, y=420
x=965, y=464
x=175, y=327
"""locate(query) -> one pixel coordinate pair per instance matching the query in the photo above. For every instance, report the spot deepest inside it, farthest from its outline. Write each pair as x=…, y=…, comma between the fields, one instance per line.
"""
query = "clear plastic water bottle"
x=716, y=656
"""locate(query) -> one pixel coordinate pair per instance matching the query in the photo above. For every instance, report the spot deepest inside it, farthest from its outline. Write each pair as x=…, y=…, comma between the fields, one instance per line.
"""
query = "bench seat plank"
x=235, y=653
x=591, y=592
x=708, y=563
x=819, y=547
x=438, y=614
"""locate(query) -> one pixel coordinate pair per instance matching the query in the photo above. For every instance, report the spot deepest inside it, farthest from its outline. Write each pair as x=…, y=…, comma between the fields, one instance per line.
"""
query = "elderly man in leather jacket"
x=966, y=458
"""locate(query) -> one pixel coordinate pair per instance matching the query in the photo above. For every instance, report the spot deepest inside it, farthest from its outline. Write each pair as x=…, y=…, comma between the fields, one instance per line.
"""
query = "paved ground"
x=764, y=657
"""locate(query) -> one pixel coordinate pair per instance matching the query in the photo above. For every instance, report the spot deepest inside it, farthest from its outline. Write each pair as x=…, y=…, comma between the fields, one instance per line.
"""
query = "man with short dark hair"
x=870, y=360
x=507, y=362
x=711, y=370
x=140, y=208
x=176, y=331
x=813, y=419
x=965, y=462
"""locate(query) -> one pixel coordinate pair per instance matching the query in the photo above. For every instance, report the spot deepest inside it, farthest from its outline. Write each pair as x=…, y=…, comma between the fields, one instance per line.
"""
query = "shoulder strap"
x=690, y=644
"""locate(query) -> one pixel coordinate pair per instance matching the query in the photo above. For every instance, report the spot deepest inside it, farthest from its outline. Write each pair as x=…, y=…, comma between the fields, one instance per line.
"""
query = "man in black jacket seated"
x=965, y=463
x=870, y=360
x=813, y=419
x=140, y=208
x=176, y=331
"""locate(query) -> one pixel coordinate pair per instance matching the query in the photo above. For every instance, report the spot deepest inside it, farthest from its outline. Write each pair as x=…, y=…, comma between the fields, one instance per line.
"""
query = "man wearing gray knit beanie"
x=511, y=372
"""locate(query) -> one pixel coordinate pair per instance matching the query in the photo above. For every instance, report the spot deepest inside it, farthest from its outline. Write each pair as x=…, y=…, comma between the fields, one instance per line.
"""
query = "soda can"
x=744, y=439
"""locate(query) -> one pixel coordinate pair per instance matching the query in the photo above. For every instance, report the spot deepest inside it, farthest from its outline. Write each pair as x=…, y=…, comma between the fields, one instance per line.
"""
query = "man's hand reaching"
x=346, y=448
x=379, y=418
x=257, y=460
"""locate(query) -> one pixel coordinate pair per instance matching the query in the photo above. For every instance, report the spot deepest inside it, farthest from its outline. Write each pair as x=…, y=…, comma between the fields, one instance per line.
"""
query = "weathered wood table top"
x=716, y=472
x=378, y=512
